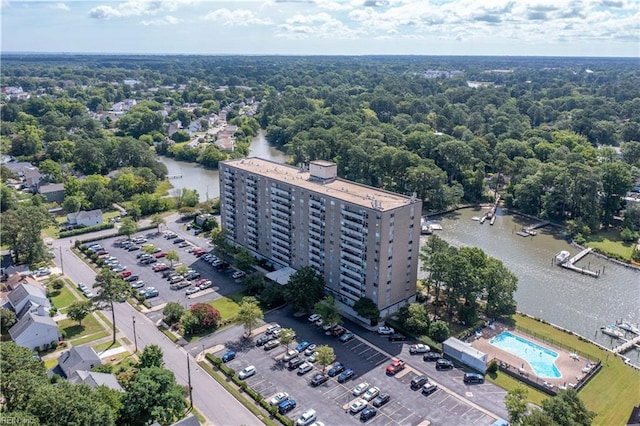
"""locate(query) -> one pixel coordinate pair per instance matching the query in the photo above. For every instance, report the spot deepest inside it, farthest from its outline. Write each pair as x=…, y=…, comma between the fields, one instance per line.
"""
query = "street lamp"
x=135, y=337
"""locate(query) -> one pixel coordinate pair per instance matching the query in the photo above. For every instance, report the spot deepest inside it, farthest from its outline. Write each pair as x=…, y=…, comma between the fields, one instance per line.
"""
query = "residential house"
x=16, y=279
x=226, y=139
x=35, y=330
x=173, y=127
x=27, y=296
x=85, y=218
x=53, y=192
x=78, y=358
x=32, y=178
x=94, y=379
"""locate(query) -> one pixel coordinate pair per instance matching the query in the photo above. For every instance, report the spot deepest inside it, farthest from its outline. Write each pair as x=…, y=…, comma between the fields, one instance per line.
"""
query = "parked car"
x=205, y=284
x=429, y=388
x=360, y=389
x=444, y=364
x=133, y=248
x=304, y=368
x=247, y=372
x=184, y=244
x=371, y=393
x=346, y=337
x=178, y=240
x=346, y=375
x=418, y=381
x=384, y=330
x=291, y=353
x=310, y=349
x=125, y=273
x=396, y=337
x=228, y=356
x=302, y=346
x=357, y=406
x=431, y=356
x=137, y=284
x=314, y=318
x=295, y=363
x=271, y=344
x=306, y=418
x=132, y=278
x=272, y=328
x=338, y=331
x=381, y=399
x=319, y=379
x=151, y=293
x=287, y=405
x=336, y=369
x=420, y=348
x=192, y=275
x=278, y=398
x=368, y=413
x=161, y=254
x=192, y=290
x=264, y=339
x=238, y=274
x=473, y=378
x=160, y=267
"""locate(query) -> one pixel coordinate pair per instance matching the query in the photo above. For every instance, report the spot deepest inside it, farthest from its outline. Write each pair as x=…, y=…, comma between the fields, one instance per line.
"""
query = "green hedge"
x=73, y=232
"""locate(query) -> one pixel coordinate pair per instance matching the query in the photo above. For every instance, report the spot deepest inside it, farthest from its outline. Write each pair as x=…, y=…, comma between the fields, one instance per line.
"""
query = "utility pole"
x=189, y=382
x=135, y=337
x=61, y=262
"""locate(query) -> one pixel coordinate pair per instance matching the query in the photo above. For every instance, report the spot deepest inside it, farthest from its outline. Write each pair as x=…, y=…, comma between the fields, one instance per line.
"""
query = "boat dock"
x=569, y=264
x=627, y=345
x=491, y=214
x=530, y=231
x=174, y=177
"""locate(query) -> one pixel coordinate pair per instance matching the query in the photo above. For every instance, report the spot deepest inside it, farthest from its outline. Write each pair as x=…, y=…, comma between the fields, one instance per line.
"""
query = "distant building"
x=53, y=192
x=85, y=218
x=364, y=241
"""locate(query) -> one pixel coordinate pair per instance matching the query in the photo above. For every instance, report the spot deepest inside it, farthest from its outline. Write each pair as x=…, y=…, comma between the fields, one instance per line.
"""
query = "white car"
x=371, y=393
x=358, y=406
x=278, y=398
x=247, y=372
x=362, y=387
x=314, y=318
x=420, y=348
x=310, y=349
x=385, y=330
x=192, y=290
x=292, y=353
x=306, y=418
x=237, y=274
x=304, y=368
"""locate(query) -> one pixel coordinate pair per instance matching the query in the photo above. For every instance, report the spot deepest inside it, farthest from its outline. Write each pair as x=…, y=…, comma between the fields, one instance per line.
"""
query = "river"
x=193, y=176
x=577, y=302
x=571, y=300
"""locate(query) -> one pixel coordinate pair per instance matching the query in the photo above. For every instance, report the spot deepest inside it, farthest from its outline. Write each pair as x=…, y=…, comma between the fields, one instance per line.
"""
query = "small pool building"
x=463, y=353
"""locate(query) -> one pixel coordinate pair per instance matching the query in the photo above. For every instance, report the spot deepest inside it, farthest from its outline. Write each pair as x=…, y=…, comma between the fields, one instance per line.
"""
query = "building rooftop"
x=355, y=193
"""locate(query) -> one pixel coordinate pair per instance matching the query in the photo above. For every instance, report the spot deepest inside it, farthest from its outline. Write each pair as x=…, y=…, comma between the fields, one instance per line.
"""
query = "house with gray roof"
x=85, y=218
x=94, y=379
x=27, y=294
x=35, y=330
x=78, y=358
x=53, y=192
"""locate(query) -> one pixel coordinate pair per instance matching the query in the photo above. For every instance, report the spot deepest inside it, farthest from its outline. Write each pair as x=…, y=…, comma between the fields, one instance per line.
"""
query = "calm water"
x=568, y=299
x=205, y=181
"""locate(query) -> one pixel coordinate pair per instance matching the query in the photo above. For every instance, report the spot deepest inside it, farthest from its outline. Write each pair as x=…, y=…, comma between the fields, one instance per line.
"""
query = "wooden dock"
x=620, y=349
x=569, y=264
x=530, y=231
x=174, y=177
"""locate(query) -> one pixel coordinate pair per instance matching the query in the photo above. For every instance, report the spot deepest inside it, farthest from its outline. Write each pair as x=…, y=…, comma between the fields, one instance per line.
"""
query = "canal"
x=577, y=302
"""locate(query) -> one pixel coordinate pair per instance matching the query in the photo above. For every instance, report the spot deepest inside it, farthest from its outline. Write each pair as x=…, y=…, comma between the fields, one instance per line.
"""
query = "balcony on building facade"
x=315, y=234
x=353, y=260
x=280, y=236
x=353, y=216
x=354, y=251
x=351, y=274
x=351, y=232
x=279, y=221
x=280, y=228
x=352, y=294
x=350, y=281
x=316, y=205
x=279, y=208
x=356, y=242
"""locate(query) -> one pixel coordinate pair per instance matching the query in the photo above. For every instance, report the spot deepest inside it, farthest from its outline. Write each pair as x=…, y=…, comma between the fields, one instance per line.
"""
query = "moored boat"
x=562, y=257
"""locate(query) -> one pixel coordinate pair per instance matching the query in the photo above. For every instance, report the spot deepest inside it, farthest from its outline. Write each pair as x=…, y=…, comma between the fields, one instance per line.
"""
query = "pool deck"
x=572, y=367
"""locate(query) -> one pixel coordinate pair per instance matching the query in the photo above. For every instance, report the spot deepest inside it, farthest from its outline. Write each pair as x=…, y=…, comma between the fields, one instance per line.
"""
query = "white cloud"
x=167, y=20
x=138, y=8
x=321, y=25
x=237, y=17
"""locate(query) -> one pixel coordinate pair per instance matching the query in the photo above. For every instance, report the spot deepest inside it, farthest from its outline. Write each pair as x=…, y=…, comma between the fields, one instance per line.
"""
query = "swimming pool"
x=541, y=359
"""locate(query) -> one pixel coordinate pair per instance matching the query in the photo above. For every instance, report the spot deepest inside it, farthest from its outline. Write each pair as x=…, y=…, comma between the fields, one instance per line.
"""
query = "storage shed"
x=462, y=352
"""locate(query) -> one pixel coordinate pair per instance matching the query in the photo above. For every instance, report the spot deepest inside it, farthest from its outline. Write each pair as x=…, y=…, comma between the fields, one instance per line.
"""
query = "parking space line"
x=353, y=348
x=366, y=350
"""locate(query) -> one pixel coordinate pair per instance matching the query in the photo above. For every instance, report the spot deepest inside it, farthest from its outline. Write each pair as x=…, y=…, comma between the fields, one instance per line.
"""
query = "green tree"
x=157, y=220
x=516, y=404
x=616, y=181
x=21, y=230
x=128, y=227
x=151, y=357
x=20, y=374
x=286, y=336
x=149, y=248
x=500, y=286
x=182, y=269
x=78, y=310
x=328, y=310
x=111, y=289
x=153, y=396
x=56, y=284
x=243, y=260
x=366, y=308
x=206, y=316
x=249, y=314
x=415, y=318
x=172, y=312
x=7, y=319
x=439, y=331
x=325, y=356
x=172, y=256
x=566, y=409
x=304, y=289
x=254, y=284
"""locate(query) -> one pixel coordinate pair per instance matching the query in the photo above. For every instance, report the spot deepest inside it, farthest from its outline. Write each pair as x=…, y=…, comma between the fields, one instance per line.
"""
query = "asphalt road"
x=210, y=399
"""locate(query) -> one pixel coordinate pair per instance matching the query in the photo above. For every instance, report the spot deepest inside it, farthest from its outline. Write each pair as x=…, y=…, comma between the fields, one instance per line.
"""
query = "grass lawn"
x=73, y=330
x=227, y=307
x=610, y=242
x=90, y=338
x=612, y=393
x=62, y=298
x=163, y=188
x=101, y=347
x=50, y=363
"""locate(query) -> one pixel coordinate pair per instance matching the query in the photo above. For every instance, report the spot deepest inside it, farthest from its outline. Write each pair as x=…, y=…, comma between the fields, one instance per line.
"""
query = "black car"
x=396, y=337
x=368, y=413
x=132, y=278
x=167, y=272
x=336, y=369
x=134, y=248
x=381, y=399
x=178, y=241
x=431, y=356
x=193, y=275
x=473, y=378
x=319, y=379
x=264, y=339
x=418, y=382
x=444, y=364
x=295, y=363
x=345, y=375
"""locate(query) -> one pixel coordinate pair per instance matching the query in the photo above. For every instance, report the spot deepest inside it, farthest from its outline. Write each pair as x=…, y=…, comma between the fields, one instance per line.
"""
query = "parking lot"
x=453, y=403
x=222, y=281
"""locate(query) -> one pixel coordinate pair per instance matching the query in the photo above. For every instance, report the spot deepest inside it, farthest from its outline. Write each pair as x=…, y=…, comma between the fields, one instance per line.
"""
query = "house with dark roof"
x=53, y=192
x=85, y=218
x=78, y=358
x=28, y=295
x=16, y=279
x=35, y=330
x=94, y=379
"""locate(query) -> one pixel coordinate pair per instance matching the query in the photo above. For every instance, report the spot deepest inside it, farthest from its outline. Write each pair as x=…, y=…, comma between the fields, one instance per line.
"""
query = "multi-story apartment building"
x=364, y=241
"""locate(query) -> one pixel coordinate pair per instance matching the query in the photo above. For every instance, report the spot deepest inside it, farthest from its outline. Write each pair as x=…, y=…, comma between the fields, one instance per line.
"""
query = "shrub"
x=66, y=234
x=54, y=344
x=57, y=284
x=493, y=367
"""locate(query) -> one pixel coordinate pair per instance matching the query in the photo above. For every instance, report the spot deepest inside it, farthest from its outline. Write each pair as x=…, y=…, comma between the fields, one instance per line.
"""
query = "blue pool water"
x=541, y=359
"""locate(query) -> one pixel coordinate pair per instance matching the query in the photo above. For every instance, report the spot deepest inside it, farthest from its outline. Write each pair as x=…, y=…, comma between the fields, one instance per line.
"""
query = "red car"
x=198, y=252
x=125, y=274
x=161, y=254
x=160, y=267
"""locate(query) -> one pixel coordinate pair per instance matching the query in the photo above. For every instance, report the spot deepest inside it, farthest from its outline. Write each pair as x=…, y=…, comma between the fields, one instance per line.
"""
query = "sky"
x=325, y=27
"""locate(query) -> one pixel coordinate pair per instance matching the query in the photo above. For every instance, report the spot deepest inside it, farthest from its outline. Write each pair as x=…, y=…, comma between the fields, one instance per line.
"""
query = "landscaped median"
x=238, y=388
x=612, y=393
